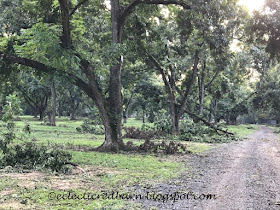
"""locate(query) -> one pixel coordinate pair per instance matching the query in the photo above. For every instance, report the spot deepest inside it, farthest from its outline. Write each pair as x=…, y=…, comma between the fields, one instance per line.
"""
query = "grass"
x=275, y=128
x=241, y=130
x=140, y=167
x=105, y=171
x=197, y=148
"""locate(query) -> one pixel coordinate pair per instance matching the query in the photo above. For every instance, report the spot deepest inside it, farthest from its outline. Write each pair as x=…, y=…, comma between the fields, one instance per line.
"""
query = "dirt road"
x=242, y=175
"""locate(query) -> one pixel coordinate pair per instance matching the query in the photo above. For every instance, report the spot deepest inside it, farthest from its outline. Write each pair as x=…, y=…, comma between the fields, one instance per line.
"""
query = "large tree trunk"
x=113, y=128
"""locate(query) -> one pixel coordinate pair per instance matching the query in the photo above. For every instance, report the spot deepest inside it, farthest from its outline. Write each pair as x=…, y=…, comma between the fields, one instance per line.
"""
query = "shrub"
x=166, y=148
x=31, y=156
x=208, y=139
x=277, y=130
x=89, y=126
x=12, y=108
x=164, y=125
x=28, y=154
x=146, y=133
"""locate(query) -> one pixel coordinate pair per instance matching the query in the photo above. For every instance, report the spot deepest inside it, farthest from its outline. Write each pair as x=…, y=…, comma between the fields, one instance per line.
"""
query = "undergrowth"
x=27, y=155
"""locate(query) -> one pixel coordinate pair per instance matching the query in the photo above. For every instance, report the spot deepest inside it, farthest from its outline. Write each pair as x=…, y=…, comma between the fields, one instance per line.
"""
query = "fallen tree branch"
x=194, y=116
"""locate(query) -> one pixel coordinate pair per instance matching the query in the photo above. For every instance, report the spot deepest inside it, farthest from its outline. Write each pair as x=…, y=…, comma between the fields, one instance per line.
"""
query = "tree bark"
x=74, y=105
x=212, y=114
x=65, y=20
x=42, y=114
x=174, y=119
x=52, y=113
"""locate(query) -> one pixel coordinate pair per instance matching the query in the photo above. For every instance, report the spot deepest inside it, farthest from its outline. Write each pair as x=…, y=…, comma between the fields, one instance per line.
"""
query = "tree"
x=179, y=53
x=35, y=93
x=265, y=27
x=54, y=48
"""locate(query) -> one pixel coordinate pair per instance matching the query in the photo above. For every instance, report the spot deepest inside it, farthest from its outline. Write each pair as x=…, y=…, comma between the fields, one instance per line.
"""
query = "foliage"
x=164, y=125
x=12, y=108
x=166, y=148
x=277, y=130
x=208, y=139
x=32, y=156
x=266, y=101
x=146, y=133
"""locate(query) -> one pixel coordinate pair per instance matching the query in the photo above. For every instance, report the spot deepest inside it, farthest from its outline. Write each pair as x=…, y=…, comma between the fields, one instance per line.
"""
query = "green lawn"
x=241, y=130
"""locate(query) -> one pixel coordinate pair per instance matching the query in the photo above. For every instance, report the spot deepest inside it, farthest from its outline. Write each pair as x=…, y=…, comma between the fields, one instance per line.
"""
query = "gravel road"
x=242, y=175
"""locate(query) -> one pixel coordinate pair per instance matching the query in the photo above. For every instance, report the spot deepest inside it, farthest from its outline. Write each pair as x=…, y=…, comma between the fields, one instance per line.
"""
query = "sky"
x=252, y=4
